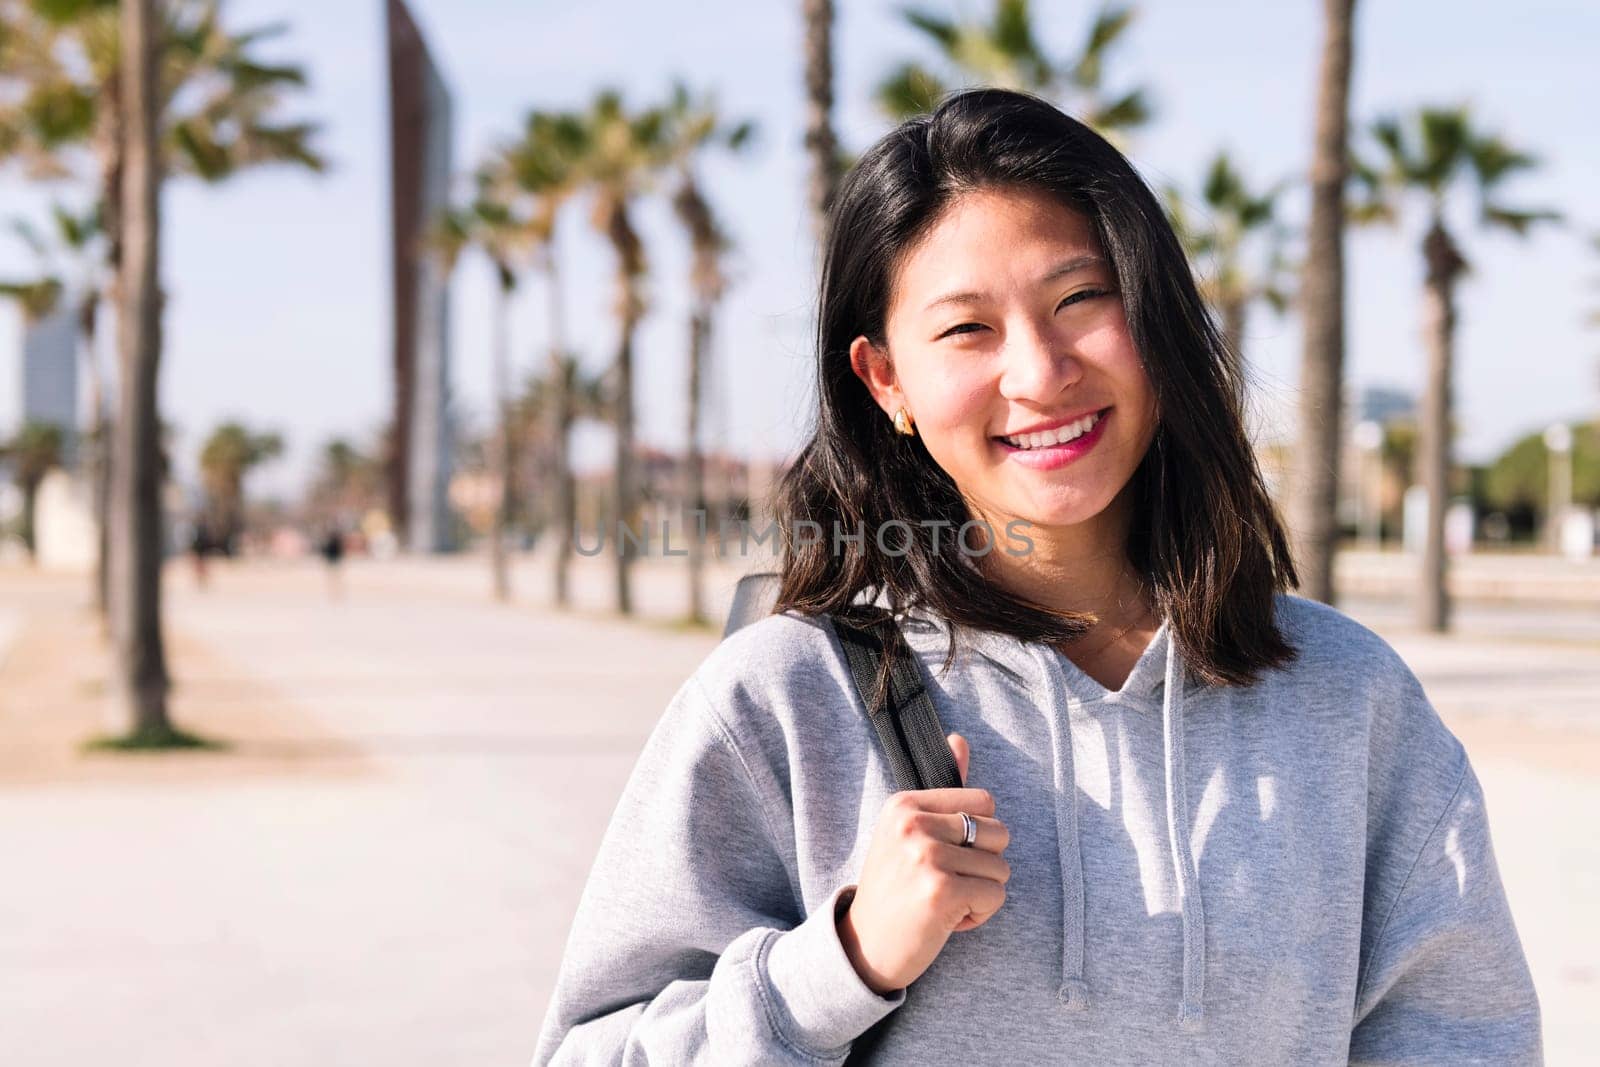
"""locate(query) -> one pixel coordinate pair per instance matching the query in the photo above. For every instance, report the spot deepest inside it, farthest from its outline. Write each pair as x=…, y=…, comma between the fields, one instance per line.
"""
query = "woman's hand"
x=919, y=884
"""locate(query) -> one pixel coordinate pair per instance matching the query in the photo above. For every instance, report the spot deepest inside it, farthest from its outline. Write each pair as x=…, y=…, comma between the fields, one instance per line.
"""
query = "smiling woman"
x=1230, y=828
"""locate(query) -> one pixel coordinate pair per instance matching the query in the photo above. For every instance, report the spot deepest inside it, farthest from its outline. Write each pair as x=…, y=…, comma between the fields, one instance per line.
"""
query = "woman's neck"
x=1079, y=568
x=1084, y=568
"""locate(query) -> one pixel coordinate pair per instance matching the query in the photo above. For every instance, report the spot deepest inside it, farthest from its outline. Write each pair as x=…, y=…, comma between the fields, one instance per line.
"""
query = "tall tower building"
x=422, y=441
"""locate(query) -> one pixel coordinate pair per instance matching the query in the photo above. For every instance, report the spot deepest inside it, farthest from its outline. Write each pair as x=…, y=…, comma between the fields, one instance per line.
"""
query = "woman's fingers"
x=972, y=863
x=983, y=896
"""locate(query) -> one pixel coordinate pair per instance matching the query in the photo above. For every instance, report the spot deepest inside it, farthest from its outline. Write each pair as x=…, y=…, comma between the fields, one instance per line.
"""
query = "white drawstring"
x=1191, y=1008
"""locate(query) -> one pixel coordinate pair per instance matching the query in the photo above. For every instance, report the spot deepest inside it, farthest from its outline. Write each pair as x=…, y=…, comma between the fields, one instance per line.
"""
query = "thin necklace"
x=1119, y=635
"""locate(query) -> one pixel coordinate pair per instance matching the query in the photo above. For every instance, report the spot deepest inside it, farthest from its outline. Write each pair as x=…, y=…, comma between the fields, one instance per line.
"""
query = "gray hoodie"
x=1295, y=872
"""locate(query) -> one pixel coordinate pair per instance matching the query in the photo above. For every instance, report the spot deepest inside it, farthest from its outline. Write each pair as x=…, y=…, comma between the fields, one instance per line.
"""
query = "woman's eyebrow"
x=1071, y=266
x=1076, y=263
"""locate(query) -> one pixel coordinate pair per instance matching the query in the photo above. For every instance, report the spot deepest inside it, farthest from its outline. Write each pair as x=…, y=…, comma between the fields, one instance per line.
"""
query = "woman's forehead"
x=988, y=236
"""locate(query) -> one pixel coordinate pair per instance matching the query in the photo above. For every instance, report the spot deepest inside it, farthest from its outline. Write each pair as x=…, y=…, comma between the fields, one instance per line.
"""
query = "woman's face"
x=1004, y=324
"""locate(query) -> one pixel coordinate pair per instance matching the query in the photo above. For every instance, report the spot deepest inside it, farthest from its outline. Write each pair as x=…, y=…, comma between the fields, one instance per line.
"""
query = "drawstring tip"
x=1074, y=993
x=1191, y=1017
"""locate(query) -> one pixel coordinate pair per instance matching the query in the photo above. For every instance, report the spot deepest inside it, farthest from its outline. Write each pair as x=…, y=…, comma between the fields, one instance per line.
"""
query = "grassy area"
x=160, y=739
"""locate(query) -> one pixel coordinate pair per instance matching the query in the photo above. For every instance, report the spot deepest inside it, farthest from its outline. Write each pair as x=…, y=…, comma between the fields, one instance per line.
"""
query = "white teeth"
x=1054, y=437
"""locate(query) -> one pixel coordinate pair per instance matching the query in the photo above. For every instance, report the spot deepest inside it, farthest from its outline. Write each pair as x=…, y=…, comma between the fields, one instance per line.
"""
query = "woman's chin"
x=1060, y=513
x=1058, y=517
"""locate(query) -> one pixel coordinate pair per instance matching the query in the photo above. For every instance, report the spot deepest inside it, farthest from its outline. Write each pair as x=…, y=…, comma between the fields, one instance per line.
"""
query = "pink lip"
x=1048, y=459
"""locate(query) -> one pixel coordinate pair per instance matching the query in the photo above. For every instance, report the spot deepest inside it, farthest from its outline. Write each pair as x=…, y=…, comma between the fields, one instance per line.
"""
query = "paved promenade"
x=383, y=866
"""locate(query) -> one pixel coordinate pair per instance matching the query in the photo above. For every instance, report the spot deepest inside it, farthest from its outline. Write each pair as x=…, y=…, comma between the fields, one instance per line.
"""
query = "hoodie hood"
x=1158, y=675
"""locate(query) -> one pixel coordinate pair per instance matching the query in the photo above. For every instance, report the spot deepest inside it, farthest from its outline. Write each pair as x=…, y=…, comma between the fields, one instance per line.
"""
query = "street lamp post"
x=1558, y=441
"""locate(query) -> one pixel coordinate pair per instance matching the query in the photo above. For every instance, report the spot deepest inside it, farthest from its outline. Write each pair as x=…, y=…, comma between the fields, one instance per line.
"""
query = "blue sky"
x=278, y=282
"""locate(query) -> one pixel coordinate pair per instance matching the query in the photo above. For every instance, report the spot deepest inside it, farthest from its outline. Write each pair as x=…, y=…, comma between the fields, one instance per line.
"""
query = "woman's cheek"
x=966, y=401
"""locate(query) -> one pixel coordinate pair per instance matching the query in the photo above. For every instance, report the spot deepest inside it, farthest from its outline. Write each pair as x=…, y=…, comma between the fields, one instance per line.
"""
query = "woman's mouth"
x=1058, y=447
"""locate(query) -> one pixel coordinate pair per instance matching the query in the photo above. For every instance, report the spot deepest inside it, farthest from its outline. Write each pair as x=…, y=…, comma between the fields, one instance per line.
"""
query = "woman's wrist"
x=852, y=945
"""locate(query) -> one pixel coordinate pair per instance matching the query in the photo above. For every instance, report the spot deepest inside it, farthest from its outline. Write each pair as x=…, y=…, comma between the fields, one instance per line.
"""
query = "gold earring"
x=902, y=422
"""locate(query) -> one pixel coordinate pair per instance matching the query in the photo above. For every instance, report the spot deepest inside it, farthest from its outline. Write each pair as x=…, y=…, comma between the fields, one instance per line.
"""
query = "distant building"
x=50, y=373
x=1368, y=488
x=1371, y=488
x=1382, y=405
x=731, y=487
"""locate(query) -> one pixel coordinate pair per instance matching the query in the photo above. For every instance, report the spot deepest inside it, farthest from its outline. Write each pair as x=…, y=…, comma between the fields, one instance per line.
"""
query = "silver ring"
x=969, y=827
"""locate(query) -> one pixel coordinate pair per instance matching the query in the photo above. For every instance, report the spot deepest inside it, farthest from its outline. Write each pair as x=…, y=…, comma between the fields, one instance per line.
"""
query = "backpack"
x=903, y=717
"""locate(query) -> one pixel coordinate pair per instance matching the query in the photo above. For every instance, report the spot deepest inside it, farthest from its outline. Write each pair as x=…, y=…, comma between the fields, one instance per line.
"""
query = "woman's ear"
x=872, y=366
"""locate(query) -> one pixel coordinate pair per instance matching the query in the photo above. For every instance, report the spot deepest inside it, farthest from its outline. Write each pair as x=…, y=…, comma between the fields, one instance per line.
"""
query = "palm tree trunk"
x=623, y=503
x=820, y=142
x=630, y=267
x=1444, y=264
x=233, y=503
x=500, y=447
x=561, y=421
x=103, y=476
x=99, y=454
x=694, y=461
x=136, y=494
x=1315, y=486
x=111, y=150
x=30, y=499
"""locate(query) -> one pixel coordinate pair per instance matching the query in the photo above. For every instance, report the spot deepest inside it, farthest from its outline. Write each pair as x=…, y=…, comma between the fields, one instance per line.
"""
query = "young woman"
x=1202, y=820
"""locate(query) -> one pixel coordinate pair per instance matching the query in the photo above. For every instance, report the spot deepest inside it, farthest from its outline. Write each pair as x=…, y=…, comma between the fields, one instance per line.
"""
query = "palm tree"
x=1431, y=154
x=822, y=146
x=1006, y=53
x=37, y=297
x=693, y=127
x=348, y=482
x=34, y=450
x=546, y=411
x=153, y=89
x=1314, y=487
x=490, y=223
x=625, y=151
x=228, y=456
x=44, y=112
x=1234, y=218
x=547, y=166
x=218, y=101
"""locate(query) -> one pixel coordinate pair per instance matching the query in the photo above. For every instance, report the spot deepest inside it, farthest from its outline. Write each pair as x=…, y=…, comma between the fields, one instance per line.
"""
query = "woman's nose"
x=1038, y=363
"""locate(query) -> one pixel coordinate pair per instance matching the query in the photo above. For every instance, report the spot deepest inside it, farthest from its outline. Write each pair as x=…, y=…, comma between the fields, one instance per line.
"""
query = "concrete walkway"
x=383, y=867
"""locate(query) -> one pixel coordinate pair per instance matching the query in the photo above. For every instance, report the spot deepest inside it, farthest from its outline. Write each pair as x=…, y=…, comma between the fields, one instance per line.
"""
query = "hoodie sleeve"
x=688, y=945
x=1443, y=977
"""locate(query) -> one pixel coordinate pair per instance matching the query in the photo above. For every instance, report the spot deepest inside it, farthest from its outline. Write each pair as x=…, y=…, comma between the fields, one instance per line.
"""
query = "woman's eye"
x=1076, y=298
x=1080, y=296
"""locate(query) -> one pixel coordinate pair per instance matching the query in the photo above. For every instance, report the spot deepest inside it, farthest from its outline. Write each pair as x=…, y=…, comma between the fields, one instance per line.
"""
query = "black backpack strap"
x=906, y=723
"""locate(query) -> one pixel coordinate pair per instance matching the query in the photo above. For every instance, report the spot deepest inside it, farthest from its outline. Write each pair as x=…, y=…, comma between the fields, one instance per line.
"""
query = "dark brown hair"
x=1204, y=536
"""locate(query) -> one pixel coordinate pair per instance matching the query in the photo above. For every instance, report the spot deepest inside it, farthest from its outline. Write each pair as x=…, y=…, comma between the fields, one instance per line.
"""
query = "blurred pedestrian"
x=200, y=546
x=332, y=549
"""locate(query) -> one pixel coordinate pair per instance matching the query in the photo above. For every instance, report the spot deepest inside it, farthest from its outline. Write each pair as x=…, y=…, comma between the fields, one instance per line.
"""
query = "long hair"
x=1204, y=535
